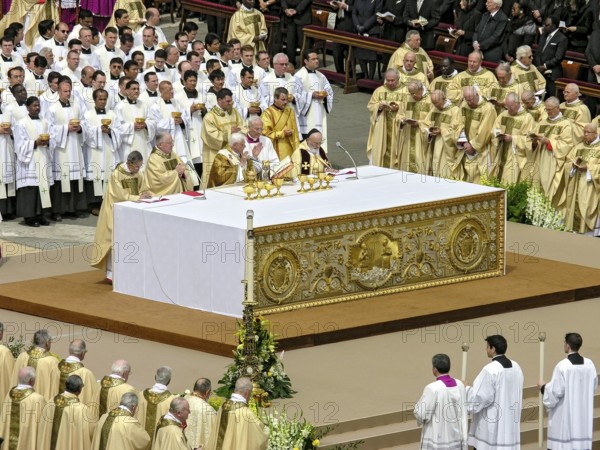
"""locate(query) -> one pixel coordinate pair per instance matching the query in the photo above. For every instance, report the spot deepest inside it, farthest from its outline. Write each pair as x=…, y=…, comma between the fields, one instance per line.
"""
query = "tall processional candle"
x=249, y=267
x=542, y=339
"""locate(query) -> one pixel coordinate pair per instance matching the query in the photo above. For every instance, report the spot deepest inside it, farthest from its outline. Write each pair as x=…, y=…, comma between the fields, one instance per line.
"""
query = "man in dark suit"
x=343, y=22
x=550, y=53
x=430, y=11
x=489, y=34
x=296, y=14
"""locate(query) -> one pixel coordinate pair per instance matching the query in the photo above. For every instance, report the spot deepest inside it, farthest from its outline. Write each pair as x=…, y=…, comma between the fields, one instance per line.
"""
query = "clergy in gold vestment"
x=444, y=81
x=443, y=126
x=230, y=164
x=583, y=184
x=505, y=85
x=169, y=431
x=479, y=117
x=412, y=146
x=248, y=25
x=534, y=106
x=135, y=10
x=553, y=145
x=511, y=144
x=73, y=365
x=575, y=110
x=114, y=386
x=119, y=429
x=7, y=362
x=475, y=75
x=412, y=44
x=67, y=423
x=126, y=183
x=408, y=72
x=21, y=413
x=383, y=134
x=526, y=73
x=202, y=415
x=37, y=11
x=217, y=126
x=165, y=173
x=236, y=426
x=310, y=158
x=280, y=124
x=154, y=402
x=44, y=363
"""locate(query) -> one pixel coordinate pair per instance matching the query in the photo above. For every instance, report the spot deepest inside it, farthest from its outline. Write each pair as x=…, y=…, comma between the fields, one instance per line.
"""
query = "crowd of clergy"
x=482, y=124
x=51, y=403
x=80, y=109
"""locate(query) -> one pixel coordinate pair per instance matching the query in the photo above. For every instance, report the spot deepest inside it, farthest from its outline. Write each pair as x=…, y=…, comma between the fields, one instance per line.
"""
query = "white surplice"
x=140, y=140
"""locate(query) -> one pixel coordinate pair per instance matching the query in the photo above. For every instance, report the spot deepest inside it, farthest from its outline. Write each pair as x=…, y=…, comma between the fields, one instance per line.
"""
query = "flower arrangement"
x=540, y=211
x=287, y=433
x=271, y=377
x=15, y=345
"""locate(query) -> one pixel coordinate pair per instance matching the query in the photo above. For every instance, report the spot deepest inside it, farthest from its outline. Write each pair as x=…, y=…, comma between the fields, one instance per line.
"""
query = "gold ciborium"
x=260, y=185
x=176, y=115
x=140, y=120
x=302, y=179
x=106, y=122
x=249, y=190
x=278, y=183
x=5, y=124
x=328, y=179
x=321, y=176
x=269, y=187
x=311, y=183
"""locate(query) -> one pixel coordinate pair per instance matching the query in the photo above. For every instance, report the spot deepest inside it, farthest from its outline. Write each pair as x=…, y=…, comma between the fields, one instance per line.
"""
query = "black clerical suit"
x=551, y=52
x=490, y=33
x=430, y=10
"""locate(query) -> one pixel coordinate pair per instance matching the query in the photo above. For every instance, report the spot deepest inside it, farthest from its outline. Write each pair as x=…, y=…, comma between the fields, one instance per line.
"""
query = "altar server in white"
x=101, y=143
x=495, y=401
x=319, y=94
x=259, y=148
x=136, y=132
x=194, y=110
x=569, y=399
x=441, y=410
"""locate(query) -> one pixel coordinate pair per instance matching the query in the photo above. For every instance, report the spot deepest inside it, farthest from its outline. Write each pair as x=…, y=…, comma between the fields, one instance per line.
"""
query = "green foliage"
x=15, y=345
x=516, y=198
x=271, y=374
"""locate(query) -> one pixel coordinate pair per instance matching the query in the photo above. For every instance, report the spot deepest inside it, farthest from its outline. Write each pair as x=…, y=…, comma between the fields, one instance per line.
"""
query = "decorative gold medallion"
x=280, y=276
x=468, y=244
x=373, y=259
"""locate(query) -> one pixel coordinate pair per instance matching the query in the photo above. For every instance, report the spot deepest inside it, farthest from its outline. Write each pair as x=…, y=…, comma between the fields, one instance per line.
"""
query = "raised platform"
x=86, y=299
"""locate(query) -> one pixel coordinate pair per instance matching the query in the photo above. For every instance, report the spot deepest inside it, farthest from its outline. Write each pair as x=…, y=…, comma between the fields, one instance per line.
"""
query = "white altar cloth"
x=189, y=252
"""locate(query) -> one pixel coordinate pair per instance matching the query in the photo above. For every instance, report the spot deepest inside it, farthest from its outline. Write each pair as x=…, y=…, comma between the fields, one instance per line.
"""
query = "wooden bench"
x=214, y=9
x=353, y=41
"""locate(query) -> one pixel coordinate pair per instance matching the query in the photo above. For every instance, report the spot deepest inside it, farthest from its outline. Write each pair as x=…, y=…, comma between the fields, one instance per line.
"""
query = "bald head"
x=438, y=98
x=409, y=61
x=512, y=103
x=471, y=96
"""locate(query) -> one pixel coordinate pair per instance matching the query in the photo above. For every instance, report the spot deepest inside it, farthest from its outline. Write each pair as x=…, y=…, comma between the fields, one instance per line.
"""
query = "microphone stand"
x=355, y=177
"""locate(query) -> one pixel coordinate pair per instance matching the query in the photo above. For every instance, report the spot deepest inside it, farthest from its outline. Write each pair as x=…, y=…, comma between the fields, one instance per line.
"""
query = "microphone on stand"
x=355, y=177
x=200, y=187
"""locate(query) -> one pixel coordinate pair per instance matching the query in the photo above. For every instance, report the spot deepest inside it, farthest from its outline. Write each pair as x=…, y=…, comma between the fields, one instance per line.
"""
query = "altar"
x=388, y=232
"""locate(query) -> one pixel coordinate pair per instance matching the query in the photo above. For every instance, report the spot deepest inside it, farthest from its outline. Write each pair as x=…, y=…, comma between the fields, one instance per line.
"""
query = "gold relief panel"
x=362, y=255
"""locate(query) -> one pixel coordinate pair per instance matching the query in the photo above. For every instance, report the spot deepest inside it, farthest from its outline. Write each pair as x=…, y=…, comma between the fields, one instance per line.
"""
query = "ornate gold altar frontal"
x=337, y=259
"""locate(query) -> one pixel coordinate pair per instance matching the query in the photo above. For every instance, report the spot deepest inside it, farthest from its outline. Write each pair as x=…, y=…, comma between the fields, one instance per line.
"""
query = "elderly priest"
x=166, y=173
x=230, y=163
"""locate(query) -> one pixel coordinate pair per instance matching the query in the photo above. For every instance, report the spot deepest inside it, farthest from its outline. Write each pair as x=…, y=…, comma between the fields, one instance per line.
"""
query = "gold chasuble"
x=245, y=25
x=412, y=145
x=382, y=145
x=216, y=129
x=551, y=158
x=405, y=78
x=67, y=424
x=583, y=189
x=446, y=157
x=530, y=78
x=538, y=112
x=7, y=362
x=161, y=176
x=120, y=430
x=152, y=407
x=447, y=86
x=513, y=161
x=111, y=391
x=21, y=414
x=580, y=116
x=225, y=169
x=423, y=61
x=169, y=436
x=237, y=427
x=483, y=79
x=479, y=122
x=499, y=92
x=275, y=122
x=47, y=375
x=136, y=10
x=90, y=394
x=122, y=186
